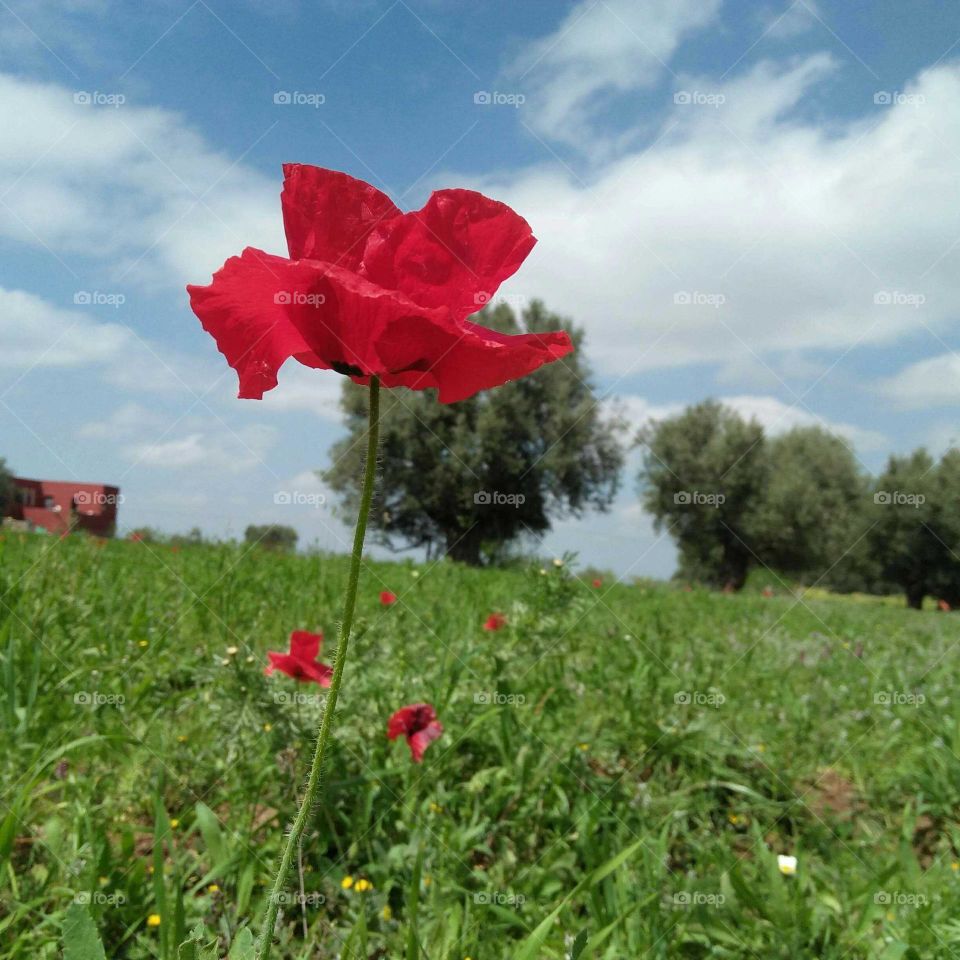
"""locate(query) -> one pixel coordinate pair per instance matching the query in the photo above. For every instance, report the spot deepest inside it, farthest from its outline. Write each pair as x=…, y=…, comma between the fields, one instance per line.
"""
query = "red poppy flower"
x=368, y=290
x=495, y=621
x=387, y=598
x=943, y=606
x=597, y=583
x=419, y=724
x=301, y=662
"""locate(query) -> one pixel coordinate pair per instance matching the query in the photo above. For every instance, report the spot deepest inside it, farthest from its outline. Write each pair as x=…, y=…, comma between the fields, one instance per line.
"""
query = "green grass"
x=573, y=789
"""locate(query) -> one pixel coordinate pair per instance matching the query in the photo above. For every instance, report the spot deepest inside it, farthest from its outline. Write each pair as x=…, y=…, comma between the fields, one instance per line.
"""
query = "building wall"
x=57, y=505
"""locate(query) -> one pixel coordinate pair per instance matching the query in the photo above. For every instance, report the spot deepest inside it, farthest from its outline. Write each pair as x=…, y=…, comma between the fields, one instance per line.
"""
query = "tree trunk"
x=915, y=595
x=733, y=574
x=464, y=546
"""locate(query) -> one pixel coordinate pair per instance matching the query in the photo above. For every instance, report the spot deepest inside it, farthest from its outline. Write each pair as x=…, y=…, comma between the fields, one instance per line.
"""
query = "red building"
x=61, y=506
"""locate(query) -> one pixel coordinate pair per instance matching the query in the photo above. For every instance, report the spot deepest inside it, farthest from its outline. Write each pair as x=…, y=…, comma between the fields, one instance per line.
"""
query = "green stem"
x=315, y=779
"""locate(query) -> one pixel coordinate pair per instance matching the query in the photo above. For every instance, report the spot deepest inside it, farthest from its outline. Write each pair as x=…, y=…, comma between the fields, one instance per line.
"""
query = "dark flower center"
x=347, y=369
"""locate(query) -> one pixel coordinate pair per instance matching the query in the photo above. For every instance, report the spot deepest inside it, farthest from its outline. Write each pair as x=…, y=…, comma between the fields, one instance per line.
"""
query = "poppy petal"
x=248, y=310
x=422, y=739
x=305, y=645
x=461, y=359
x=262, y=310
x=454, y=252
x=327, y=215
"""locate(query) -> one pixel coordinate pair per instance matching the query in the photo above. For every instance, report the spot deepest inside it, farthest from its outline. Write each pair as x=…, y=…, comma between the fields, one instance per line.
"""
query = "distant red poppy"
x=597, y=583
x=368, y=290
x=387, y=598
x=495, y=621
x=767, y=591
x=301, y=662
x=419, y=724
x=943, y=606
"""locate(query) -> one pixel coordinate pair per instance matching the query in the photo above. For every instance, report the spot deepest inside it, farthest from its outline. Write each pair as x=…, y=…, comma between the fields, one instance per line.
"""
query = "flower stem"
x=315, y=778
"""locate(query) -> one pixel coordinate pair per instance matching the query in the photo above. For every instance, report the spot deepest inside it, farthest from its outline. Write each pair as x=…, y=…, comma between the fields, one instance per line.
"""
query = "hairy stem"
x=315, y=778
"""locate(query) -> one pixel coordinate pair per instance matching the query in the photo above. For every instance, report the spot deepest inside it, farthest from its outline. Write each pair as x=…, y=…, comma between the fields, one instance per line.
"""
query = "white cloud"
x=774, y=415
x=218, y=449
x=601, y=50
x=36, y=334
x=778, y=417
x=796, y=17
x=131, y=186
x=302, y=388
x=746, y=232
x=130, y=420
x=931, y=382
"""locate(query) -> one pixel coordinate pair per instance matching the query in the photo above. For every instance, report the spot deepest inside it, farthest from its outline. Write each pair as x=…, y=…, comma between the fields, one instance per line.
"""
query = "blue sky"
x=756, y=203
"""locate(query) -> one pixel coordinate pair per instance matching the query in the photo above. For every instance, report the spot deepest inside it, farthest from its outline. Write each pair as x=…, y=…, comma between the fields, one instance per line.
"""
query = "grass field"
x=627, y=761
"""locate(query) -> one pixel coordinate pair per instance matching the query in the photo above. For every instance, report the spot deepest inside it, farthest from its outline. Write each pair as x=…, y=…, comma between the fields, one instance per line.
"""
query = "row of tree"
x=799, y=503
x=475, y=480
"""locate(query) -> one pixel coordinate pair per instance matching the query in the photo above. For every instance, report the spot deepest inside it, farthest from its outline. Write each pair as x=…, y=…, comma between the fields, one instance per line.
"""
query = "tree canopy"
x=704, y=472
x=7, y=488
x=471, y=479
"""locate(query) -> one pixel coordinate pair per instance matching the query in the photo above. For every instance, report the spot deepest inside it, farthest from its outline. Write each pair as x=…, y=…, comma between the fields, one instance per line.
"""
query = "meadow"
x=621, y=765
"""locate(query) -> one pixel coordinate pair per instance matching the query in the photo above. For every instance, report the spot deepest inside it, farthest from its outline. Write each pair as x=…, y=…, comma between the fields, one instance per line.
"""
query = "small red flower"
x=387, y=598
x=597, y=583
x=419, y=724
x=301, y=662
x=943, y=606
x=767, y=591
x=368, y=290
x=495, y=621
